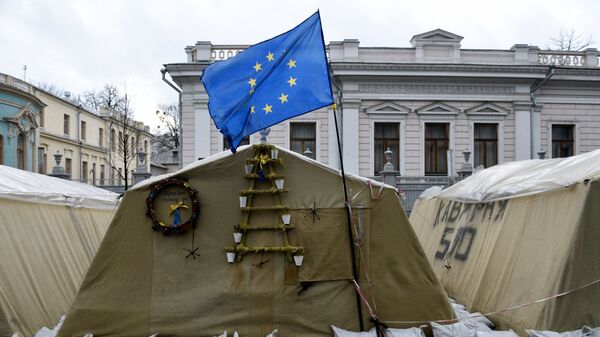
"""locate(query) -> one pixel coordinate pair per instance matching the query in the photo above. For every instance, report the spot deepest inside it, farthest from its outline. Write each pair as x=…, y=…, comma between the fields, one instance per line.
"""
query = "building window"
x=245, y=141
x=485, y=138
x=93, y=173
x=113, y=143
x=119, y=177
x=83, y=127
x=101, y=137
x=387, y=136
x=42, y=122
x=563, y=141
x=84, y=171
x=1, y=150
x=68, y=166
x=121, y=141
x=21, y=151
x=436, y=147
x=102, y=175
x=303, y=139
x=42, y=159
x=67, y=124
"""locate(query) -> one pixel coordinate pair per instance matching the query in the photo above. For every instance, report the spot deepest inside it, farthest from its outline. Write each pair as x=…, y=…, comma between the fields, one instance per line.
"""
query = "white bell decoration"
x=279, y=184
x=298, y=259
x=249, y=168
x=237, y=237
x=230, y=257
x=243, y=201
x=286, y=218
x=274, y=153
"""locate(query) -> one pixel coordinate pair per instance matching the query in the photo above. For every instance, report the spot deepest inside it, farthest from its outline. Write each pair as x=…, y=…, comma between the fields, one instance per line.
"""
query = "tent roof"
x=227, y=153
x=38, y=188
x=521, y=178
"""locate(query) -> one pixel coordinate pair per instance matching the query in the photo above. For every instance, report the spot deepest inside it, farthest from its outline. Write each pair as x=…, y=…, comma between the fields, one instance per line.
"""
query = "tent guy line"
x=514, y=307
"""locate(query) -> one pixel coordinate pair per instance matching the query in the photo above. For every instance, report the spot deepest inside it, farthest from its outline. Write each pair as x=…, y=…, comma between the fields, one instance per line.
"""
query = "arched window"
x=21, y=151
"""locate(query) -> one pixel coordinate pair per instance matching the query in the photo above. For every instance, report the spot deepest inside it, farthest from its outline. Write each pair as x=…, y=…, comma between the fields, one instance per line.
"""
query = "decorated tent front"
x=50, y=229
x=290, y=254
x=517, y=233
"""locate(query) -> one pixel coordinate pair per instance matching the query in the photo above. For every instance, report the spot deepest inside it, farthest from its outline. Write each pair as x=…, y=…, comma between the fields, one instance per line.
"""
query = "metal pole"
x=349, y=216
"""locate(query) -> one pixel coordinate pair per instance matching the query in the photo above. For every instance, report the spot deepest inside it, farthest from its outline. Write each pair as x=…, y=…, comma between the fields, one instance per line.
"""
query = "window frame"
x=441, y=119
x=397, y=166
x=83, y=130
x=315, y=123
x=573, y=131
x=498, y=130
x=67, y=125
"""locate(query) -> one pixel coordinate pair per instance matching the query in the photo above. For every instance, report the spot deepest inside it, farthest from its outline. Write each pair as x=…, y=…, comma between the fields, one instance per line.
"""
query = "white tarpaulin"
x=521, y=178
x=50, y=229
x=28, y=186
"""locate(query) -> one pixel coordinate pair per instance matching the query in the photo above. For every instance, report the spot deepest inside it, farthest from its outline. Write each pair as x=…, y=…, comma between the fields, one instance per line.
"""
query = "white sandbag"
x=224, y=334
x=275, y=333
x=544, y=333
x=479, y=318
x=337, y=332
x=491, y=333
x=411, y=332
x=464, y=328
x=590, y=332
x=460, y=329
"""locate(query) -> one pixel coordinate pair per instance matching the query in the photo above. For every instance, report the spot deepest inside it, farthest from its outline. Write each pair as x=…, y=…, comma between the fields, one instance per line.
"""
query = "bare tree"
x=569, y=40
x=124, y=132
x=168, y=115
x=128, y=139
x=108, y=98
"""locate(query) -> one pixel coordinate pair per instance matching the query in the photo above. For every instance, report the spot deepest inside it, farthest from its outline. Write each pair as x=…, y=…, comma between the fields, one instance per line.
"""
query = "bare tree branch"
x=569, y=40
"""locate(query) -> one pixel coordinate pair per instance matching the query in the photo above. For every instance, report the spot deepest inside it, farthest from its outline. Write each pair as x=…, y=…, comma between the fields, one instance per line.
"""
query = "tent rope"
x=514, y=307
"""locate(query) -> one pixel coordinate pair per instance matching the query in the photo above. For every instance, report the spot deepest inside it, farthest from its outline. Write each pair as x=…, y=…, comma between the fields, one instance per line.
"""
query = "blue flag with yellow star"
x=269, y=82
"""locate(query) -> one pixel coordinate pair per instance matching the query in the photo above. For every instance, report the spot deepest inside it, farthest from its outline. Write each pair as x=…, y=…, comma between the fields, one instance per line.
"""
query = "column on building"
x=350, y=143
x=523, y=135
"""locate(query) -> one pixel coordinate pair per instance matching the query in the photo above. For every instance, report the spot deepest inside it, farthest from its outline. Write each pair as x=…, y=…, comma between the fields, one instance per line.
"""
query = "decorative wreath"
x=173, y=228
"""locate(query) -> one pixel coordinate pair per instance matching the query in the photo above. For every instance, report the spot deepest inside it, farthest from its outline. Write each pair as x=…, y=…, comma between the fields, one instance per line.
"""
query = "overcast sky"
x=79, y=45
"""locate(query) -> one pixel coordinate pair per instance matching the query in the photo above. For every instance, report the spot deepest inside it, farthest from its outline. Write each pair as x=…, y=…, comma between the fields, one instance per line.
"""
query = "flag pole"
x=349, y=216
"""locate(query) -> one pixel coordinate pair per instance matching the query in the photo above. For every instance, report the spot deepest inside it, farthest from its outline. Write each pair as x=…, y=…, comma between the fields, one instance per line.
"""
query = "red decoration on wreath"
x=176, y=227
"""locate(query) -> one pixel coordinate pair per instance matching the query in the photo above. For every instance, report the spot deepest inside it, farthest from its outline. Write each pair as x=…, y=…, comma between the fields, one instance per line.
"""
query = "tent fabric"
x=522, y=178
x=45, y=249
x=498, y=254
x=140, y=282
x=22, y=185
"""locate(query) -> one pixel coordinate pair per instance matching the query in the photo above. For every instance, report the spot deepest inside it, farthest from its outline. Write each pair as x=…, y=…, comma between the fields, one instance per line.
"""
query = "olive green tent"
x=141, y=281
x=517, y=233
x=50, y=229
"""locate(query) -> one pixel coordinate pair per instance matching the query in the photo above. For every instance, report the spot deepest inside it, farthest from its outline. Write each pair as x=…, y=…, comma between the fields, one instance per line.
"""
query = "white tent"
x=49, y=231
x=520, y=239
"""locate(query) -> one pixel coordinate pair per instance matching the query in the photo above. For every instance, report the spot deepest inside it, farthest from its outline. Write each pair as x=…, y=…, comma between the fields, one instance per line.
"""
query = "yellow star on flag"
x=252, y=82
x=252, y=109
x=270, y=57
x=268, y=108
x=292, y=81
x=257, y=67
x=292, y=63
x=283, y=98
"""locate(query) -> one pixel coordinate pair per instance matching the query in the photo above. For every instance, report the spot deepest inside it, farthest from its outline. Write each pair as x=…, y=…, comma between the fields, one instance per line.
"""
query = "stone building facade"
x=421, y=101
x=20, y=114
x=86, y=139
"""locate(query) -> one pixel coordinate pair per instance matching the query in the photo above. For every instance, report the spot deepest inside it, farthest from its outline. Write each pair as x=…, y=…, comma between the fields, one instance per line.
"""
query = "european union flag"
x=269, y=82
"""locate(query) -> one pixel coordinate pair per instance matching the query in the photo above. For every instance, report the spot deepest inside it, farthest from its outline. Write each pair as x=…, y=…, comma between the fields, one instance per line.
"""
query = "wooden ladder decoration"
x=261, y=167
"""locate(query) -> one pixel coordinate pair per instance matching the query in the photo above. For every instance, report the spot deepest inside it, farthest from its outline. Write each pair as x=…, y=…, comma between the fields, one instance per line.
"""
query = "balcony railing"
x=223, y=52
x=562, y=58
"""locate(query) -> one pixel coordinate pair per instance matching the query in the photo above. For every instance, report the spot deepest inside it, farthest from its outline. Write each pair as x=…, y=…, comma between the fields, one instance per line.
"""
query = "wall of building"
x=398, y=84
x=19, y=115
